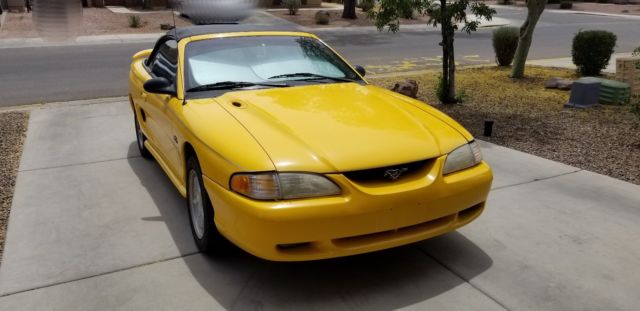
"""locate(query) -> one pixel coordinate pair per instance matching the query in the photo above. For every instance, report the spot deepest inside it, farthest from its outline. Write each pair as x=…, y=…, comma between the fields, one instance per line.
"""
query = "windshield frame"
x=292, y=82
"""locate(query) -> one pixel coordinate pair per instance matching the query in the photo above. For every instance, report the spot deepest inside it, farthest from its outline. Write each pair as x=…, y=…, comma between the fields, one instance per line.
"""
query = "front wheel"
x=144, y=152
x=203, y=228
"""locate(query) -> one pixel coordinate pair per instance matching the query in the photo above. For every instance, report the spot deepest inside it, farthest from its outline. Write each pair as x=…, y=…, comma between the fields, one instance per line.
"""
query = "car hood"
x=341, y=127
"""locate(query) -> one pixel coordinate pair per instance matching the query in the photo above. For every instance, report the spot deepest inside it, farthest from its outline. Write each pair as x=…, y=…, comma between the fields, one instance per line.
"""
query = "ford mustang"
x=282, y=147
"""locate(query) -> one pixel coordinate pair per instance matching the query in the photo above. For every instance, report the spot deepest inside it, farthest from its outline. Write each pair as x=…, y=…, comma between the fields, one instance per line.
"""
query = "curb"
x=80, y=102
x=635, y=17
x=16, y=43
x=513, y=8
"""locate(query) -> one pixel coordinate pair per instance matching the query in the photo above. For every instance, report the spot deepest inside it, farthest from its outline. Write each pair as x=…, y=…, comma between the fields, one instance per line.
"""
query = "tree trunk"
x=451, y=92
x=349, y=9
x=534, y=11
x=448, y=60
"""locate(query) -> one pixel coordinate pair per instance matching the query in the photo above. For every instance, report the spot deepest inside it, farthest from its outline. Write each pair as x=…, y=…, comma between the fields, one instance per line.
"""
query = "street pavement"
x=96, y=227
x=98, y=67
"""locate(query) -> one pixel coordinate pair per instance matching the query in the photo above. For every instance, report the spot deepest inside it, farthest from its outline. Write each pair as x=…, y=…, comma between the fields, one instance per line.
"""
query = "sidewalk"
x=96, y=227
x=567, y=62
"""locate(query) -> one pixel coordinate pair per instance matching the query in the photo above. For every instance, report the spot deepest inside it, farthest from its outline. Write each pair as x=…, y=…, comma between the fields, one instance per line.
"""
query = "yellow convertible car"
x=283, y=148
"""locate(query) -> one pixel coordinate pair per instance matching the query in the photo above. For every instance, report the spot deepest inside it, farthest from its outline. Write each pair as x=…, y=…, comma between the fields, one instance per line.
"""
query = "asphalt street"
x=49, y=74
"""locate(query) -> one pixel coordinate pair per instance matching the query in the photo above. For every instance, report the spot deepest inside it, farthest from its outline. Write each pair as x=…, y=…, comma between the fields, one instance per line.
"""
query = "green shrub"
x=367, y=5
x=505, y=43
x=135, y=21
x=591, y=51
x=461, y=96
x=636, y=52
x=407, y=12
x=566, y=5
x=322, y=18
x=292, y=5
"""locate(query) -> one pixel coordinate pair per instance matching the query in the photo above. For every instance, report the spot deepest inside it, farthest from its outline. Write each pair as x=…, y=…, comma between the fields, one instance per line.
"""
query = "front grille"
x=388, y=173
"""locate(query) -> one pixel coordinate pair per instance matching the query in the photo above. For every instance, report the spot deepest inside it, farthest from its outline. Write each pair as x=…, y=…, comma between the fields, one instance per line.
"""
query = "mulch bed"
x=530, y=118
x=13, y=128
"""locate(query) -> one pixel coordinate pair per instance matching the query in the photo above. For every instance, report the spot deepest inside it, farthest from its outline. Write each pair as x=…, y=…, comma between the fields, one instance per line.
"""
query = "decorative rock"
x=552, y=83
x=407, y=88
x=565, y=84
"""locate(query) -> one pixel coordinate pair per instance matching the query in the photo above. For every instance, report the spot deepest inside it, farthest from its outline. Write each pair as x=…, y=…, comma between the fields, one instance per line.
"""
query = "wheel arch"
x=187, y=151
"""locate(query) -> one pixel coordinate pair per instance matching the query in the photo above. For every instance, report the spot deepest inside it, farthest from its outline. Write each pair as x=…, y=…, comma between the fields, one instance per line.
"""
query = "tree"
x=534, y=11
x=449, y=15
x=349, y=10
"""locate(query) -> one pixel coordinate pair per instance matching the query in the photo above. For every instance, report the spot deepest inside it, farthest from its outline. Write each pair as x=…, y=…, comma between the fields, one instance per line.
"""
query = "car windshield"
x=261, y=59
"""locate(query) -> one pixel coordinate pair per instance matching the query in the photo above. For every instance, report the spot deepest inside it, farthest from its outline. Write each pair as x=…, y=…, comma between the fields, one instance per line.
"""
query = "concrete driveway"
x=96, y=227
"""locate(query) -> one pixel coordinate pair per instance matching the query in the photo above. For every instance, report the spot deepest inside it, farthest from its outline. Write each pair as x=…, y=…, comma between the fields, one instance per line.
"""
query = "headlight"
x=463, y=157
x=282, y=186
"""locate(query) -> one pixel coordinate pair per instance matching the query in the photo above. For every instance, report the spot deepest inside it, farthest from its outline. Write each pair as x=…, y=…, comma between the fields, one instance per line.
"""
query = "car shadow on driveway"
x=384, y=280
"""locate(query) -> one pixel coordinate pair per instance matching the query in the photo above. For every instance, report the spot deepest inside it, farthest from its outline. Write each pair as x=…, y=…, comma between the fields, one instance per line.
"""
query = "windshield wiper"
x=311, y=76
x=227, y=85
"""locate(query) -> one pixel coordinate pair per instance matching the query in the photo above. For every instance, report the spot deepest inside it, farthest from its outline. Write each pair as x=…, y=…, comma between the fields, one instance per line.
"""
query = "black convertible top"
x=180, y=33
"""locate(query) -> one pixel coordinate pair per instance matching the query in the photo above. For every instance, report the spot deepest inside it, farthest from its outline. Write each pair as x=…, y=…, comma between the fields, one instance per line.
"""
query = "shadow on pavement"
x=382, y=280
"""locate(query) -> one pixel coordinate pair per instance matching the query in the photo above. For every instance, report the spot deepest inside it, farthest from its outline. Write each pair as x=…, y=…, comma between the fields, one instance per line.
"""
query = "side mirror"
x=159, y=85
x=360, y=70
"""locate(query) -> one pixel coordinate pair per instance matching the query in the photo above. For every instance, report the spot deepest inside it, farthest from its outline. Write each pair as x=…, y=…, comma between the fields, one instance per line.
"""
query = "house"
x=19, y=5
x=165, y=3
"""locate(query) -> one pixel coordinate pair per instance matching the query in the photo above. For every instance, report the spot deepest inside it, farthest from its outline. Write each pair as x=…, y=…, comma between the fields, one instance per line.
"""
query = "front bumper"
x=364, y=218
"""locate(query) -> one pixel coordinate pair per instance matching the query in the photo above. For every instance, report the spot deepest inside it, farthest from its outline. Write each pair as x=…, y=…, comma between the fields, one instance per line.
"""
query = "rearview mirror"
x=360, y=70
x=159, y=85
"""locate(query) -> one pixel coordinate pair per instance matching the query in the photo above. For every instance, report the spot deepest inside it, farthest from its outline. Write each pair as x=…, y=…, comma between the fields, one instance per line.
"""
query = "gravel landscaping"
x=95, y=21
x=13, y=127
x=530, y=118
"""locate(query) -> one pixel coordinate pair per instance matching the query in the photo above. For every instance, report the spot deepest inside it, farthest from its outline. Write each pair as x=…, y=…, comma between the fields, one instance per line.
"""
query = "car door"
x=164, y=63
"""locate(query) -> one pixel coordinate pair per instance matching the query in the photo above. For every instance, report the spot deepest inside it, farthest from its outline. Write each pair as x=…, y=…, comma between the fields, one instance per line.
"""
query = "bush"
x=135, y=21
x=504, y=2
x=505, y=43
x=592, y=51
x=566, y=5
x=636, y=52
x=292, y=5
x=367, y=5
x=406, y=12
x=553, y=1
x=322, y=18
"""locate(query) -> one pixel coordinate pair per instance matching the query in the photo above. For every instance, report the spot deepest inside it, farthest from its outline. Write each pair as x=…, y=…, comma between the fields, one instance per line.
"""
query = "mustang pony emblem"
x=394, y=173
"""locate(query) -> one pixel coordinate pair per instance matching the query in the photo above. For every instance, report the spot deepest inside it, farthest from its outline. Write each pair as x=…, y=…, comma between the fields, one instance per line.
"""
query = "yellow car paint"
x=327, y=129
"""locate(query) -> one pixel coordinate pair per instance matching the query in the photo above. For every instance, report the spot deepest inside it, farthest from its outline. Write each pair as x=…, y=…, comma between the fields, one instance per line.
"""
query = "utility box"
x=614, y=92
x=584, y=93
x=628, y=71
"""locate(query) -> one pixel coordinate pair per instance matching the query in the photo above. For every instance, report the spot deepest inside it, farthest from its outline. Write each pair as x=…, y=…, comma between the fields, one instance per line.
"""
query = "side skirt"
x=176, y=182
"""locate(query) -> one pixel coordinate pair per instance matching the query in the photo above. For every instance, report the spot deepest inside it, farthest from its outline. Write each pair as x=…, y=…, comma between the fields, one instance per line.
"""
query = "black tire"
x=209, y=240
x=140, y=139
